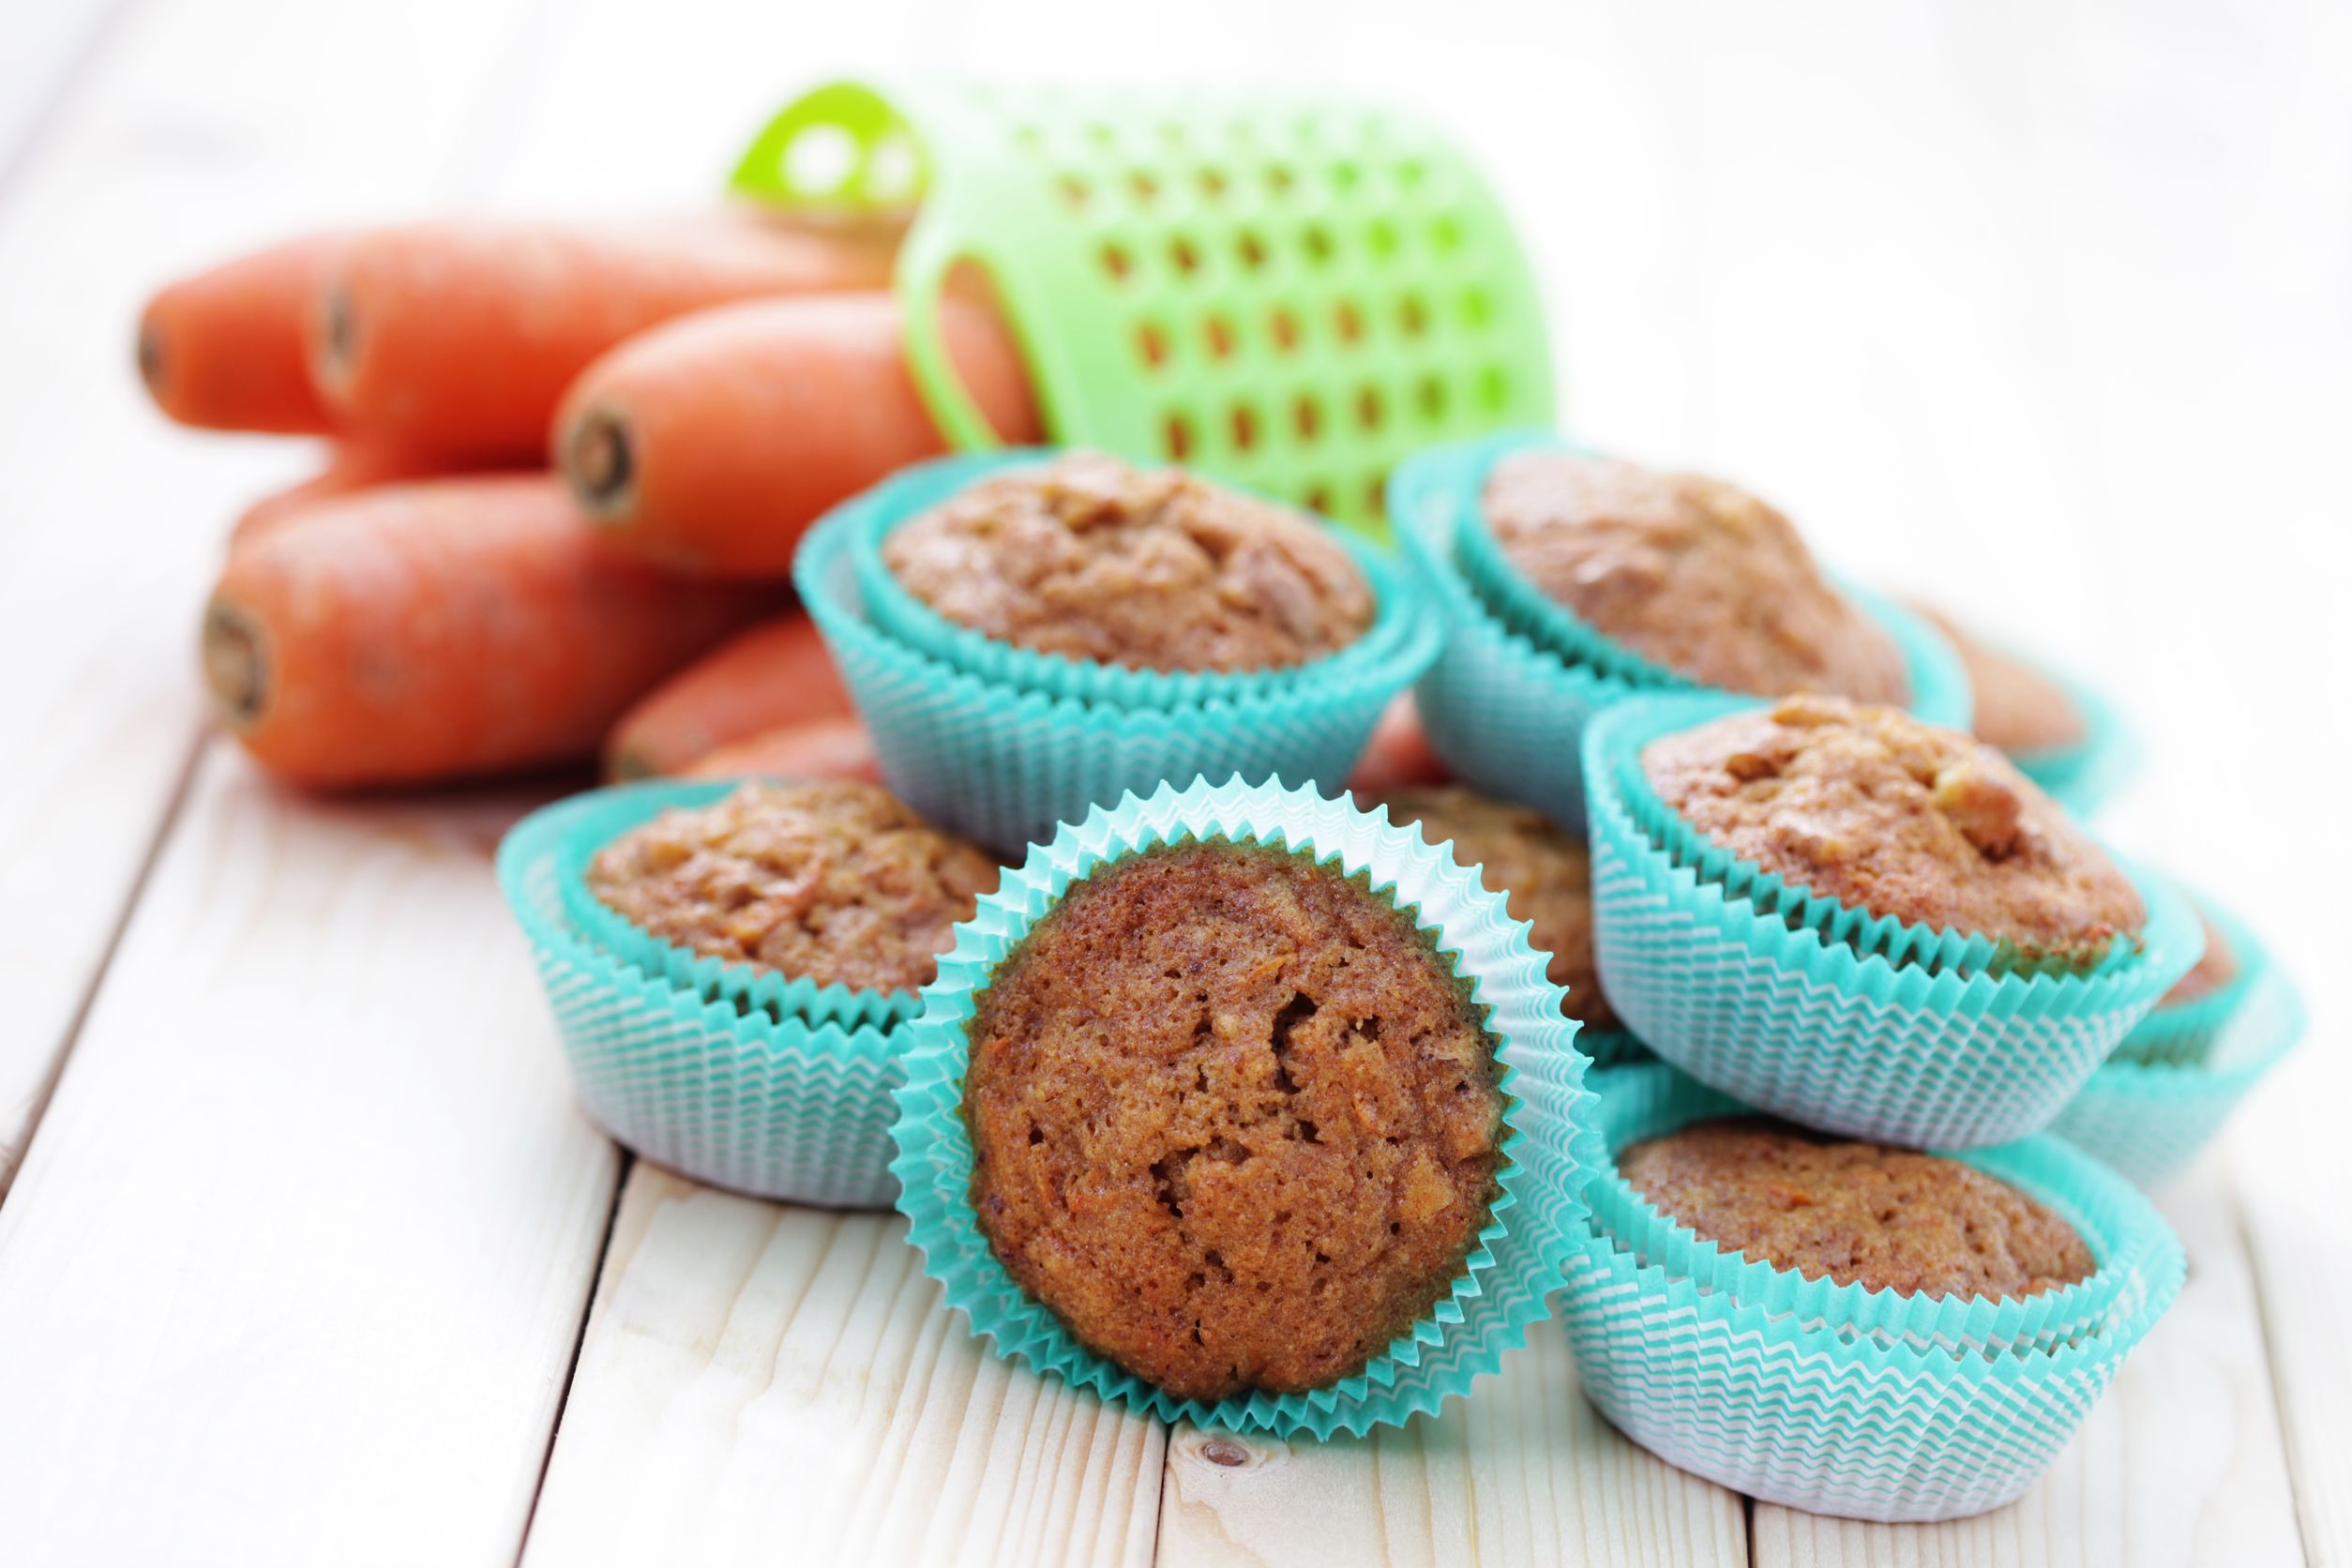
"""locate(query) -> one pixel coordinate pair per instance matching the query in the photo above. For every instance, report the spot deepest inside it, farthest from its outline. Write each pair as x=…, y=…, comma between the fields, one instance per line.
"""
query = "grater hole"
x=821, y=159
x=1177, y=432
x=1181, y=252
x=1219, y=333
x=1380, y=238
x=1100, y=133
x=1028, y=138
x=1494, y=390
x=1073, y=190
x=1145, y=184
x=1307, y=416
x=1245, y=422
x=1410, y=173
x=1253, y=250
x=1286, y=328
x=1477, y=310
x=1375, y=498
x=1349, y=321
x=1413, y=316
x=1280, y=179
x=1370, y=409
x=1212, y=185
x=1346, y=176
x=1319, y=500
x=1152, y=345
x=1316, y=240
x=1117, y=263
x=1446, y=234
x=1429, y=397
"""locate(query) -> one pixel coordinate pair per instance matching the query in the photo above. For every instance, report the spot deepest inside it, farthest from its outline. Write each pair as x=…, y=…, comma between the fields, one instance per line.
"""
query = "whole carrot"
x=820, y=748
x=778, y=674
x=712, y=443
x=444, y=630
x=225, y=348
x=351, y=465
x=461, y=337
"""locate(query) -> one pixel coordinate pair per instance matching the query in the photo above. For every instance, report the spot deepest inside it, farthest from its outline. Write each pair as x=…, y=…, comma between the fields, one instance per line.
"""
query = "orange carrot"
x=776, y=674
x=712, y=443
x=351, y=465
x=822, y=748
x=461, y=336
x=225, y=348
x=442, y=630
x=1398, y=754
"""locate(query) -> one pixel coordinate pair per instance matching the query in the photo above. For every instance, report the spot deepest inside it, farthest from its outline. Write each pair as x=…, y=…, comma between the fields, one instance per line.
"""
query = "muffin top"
x=1152, y=568
x=1234, y=1119
x=1692, y=573
x=1888, y=1219
x=2215, y=968
x=1871, y=807
x=834, y=881
x=2018, y=708
x=1544, y=872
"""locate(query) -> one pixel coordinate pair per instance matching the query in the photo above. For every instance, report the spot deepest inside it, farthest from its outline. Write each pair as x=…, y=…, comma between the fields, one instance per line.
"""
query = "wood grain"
x=2180, y=1465
x=1524, y=1471
x=756, y=1377
x=294, y=1271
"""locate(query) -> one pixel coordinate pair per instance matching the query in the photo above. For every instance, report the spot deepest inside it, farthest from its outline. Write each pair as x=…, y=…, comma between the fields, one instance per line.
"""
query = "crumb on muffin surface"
x=2018, y=708
x=835, y=881
x=1873, y=808
x=1234, y=1119
x=1154, y=568
x=1859, y=1214
x=1692, y=573
x=1544, y=872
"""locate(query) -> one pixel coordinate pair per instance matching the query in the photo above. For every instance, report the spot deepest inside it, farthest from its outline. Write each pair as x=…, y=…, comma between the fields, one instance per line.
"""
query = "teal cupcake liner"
x=2187, y=1032
x=783, y=1106
x=2150, y=1121
x=2128, y=1239
x=606, y=815
x=1549, y=1149
x=1613, y=1048
x=2085, y=776
x=1507, y=713
x=1826, y=1015
x=898, y=613
x=1007, y=766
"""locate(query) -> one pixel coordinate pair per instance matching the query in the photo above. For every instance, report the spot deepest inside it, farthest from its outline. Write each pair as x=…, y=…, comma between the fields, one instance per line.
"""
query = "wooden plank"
x=1524, y=1471
x=202, y=129
x=294, y=1271
x=2180, y=1464
x=48, y=42
x=757, y=1379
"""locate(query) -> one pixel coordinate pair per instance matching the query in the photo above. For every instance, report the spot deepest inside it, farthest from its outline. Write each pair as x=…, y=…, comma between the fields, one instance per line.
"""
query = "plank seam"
x=2296, y=1480
x=69, y=86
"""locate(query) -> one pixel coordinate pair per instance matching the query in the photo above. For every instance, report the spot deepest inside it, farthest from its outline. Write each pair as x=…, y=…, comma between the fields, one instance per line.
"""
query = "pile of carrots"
x=568, y=467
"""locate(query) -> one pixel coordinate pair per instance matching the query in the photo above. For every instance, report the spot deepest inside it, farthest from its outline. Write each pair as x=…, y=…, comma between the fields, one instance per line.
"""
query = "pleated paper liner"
x=778, y=1106
x=2150, y=1120
x=898, y=613
x=1007, y=766
x=605, y=815
x=1550, y=1148
x=2185, y=1032
x=2128, y=1240
x=1506, y=711
x=1826, y=1015
x=2083, y=777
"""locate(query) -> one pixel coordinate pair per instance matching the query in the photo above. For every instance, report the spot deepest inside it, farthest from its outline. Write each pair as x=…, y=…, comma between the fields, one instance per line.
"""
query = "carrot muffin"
x=834, y=881
x=1234, y=1119
x=1692, y=573
x=1545, y=875
x=1888, y=1219
x=2018, y=708
x=1871, y=807
x=2215, y=968
x=1150, y=568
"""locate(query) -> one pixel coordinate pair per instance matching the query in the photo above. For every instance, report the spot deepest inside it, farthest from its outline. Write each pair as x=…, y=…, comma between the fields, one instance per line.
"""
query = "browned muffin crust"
x=833, y=882
x=2215, y=968
x=1150, y=568
x=1871, y=807
x=1889, y=1219
x=1544, y=872
x=1692, y=573
x=2018, y=708
x=1234, y=1119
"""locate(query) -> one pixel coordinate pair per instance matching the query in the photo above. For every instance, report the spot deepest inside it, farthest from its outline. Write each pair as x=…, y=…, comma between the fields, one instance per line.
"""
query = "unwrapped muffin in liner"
x=1506, y=706
x=1835, y=1398
x=1550, y=1148
x=2154, y=1105
x=1006, y=763
x=2085, y=776
x=706, y=1068
x=1828, y=1015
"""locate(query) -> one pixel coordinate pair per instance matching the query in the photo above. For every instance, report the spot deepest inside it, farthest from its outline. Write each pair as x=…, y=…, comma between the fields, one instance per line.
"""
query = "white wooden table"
x=308, y=1256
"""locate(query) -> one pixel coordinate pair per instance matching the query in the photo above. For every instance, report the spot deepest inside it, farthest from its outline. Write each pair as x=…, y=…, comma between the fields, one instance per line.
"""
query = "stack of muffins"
x=1253, y=1107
